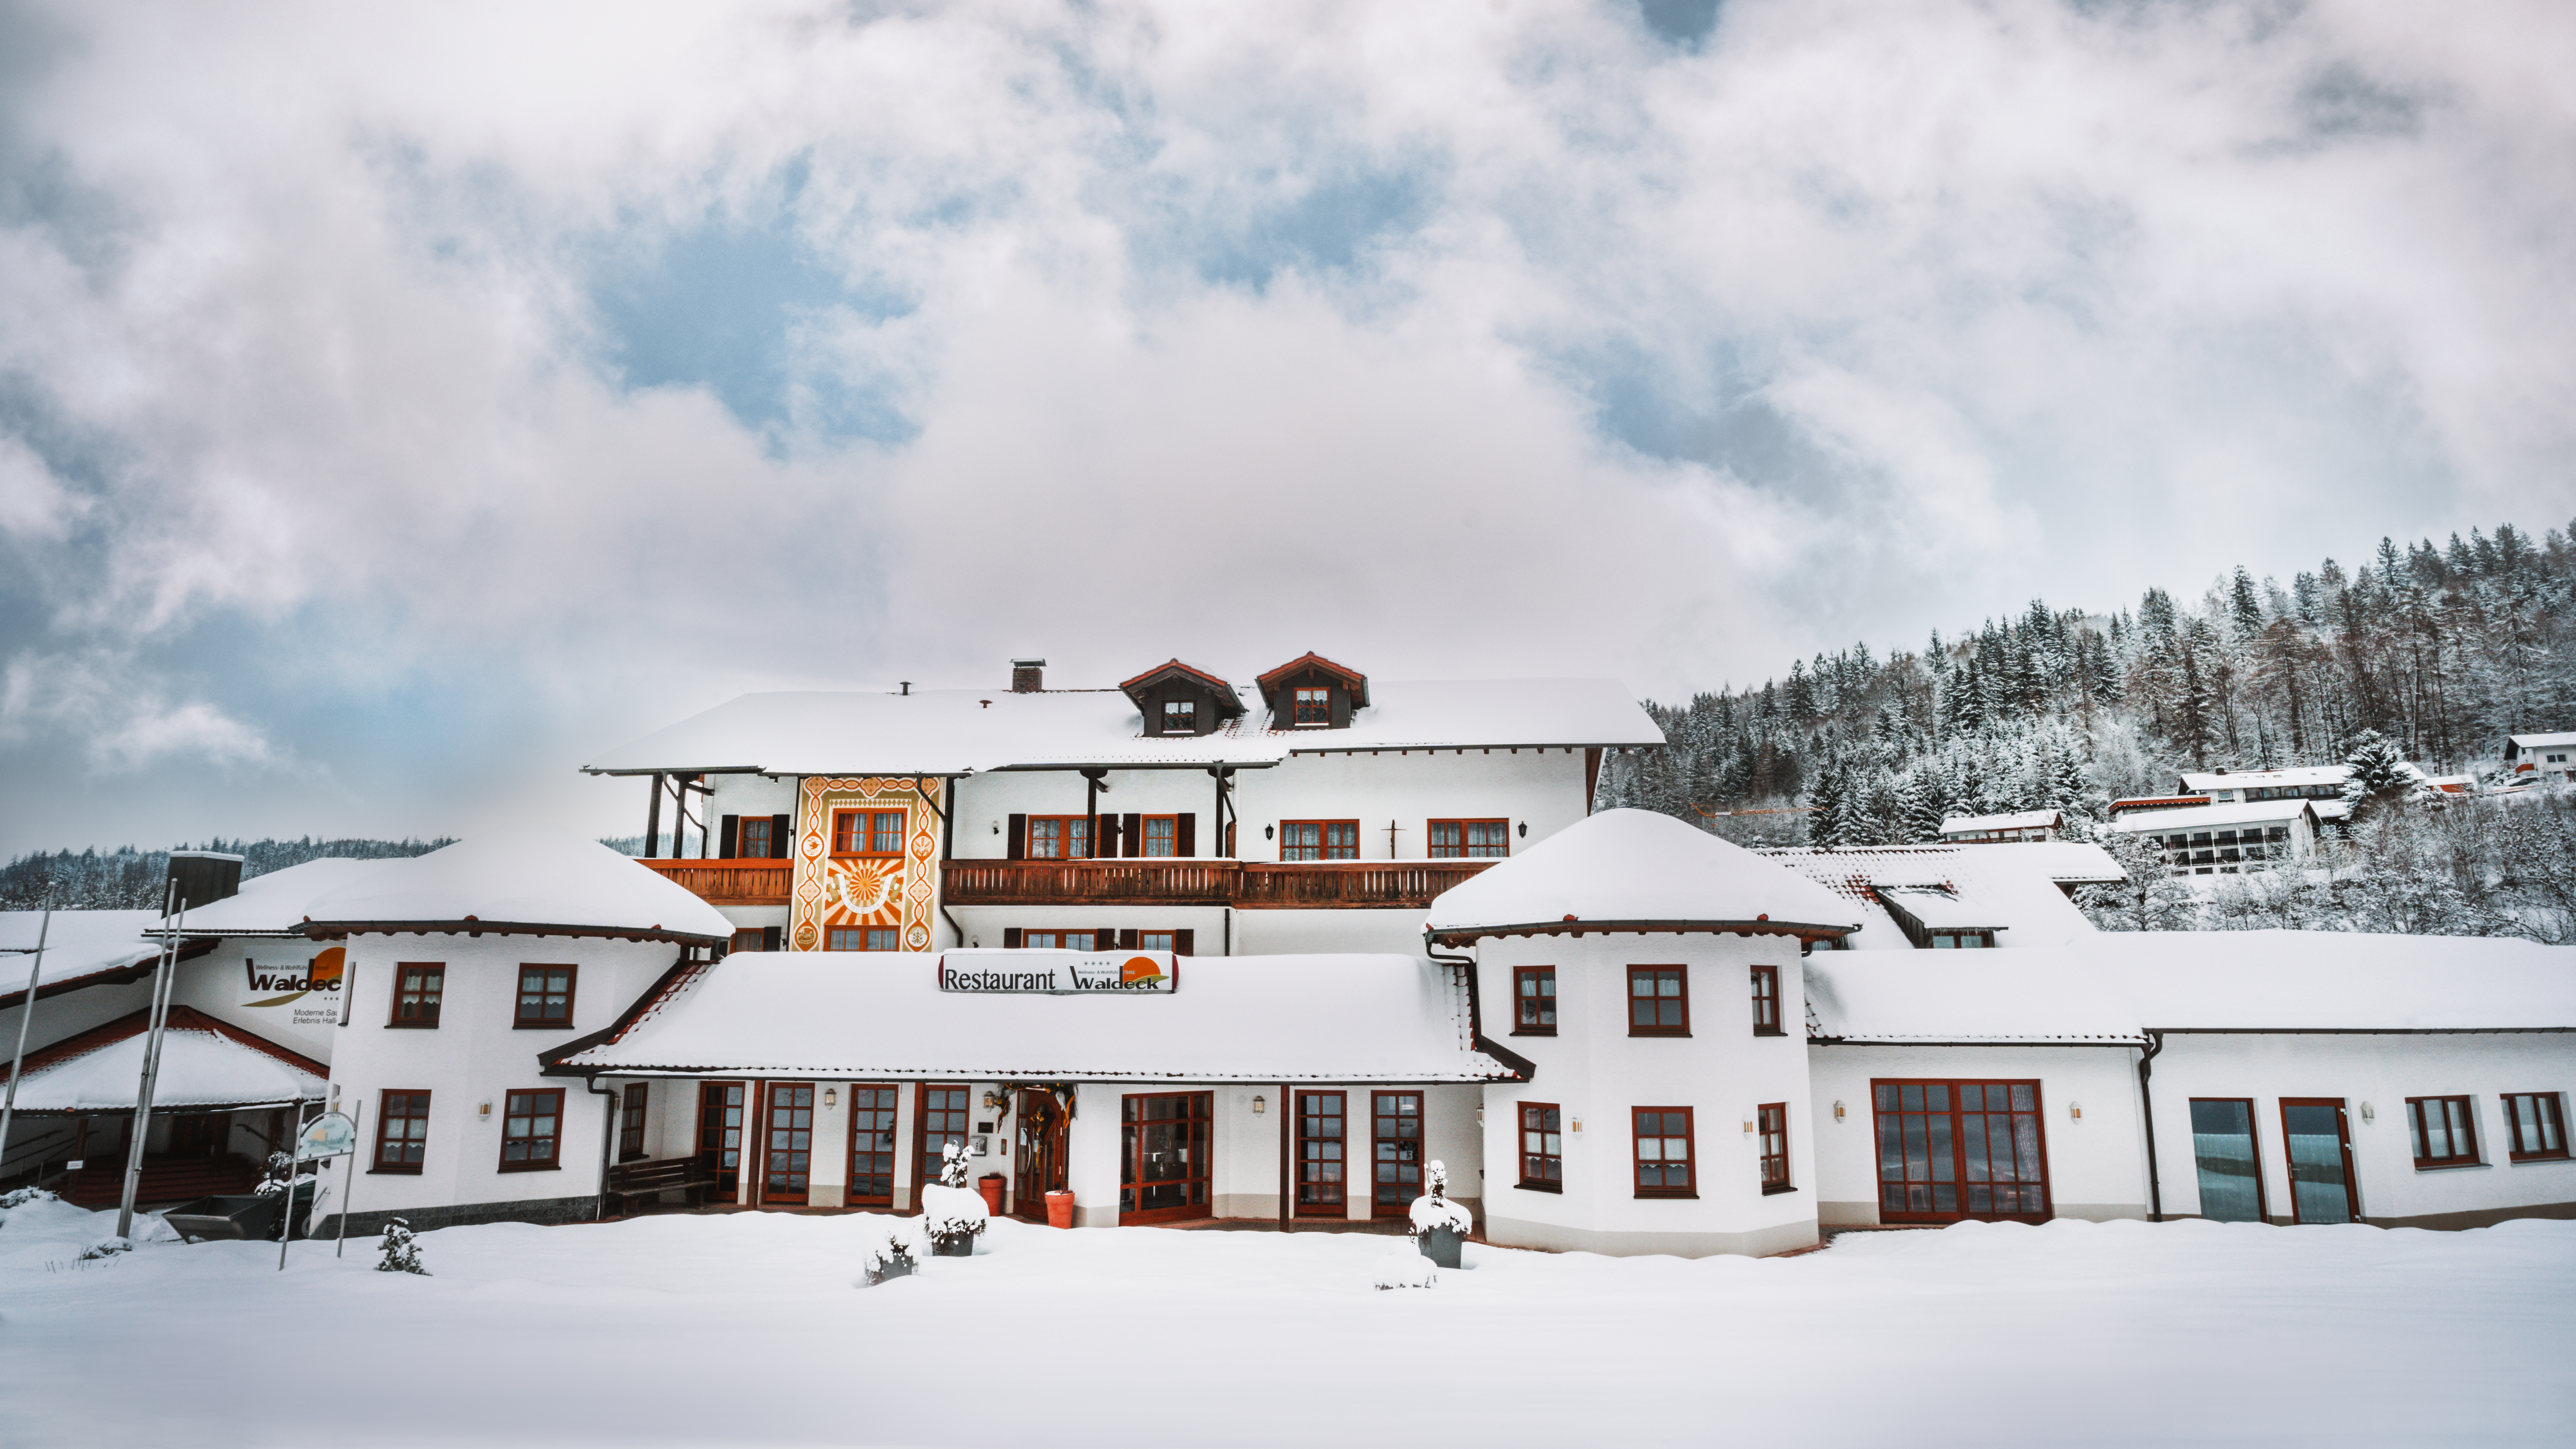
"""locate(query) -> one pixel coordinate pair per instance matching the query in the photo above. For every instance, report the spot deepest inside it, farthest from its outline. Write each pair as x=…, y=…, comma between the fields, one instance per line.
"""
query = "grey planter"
x=960, y=1246
x=1440, y=1245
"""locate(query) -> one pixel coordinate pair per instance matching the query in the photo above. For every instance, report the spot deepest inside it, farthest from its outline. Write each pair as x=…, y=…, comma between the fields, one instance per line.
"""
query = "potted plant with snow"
x=952, y=1214
x=888, y=1252
x=1439, y=1225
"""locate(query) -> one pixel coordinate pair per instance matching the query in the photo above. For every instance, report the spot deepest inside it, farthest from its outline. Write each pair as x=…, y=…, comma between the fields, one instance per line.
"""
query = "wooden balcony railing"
x=731, y=882
x=1245, y=885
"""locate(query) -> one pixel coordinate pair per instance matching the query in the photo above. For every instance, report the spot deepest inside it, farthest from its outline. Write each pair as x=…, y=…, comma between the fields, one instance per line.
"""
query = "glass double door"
x=1165, y=1140
x=1041, y=1168
x=787, y=1143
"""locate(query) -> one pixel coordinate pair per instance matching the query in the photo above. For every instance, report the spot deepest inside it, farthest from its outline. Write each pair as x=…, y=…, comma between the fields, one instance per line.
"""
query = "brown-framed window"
x=1047, y=938
x=1469, y=839
x=867, y=832
x=630, y=1121
x=1157, y=941
x=2533, y=1125
x=1164, y=1171
x=940, y=1120
x=755, y=841
x=2228, y=1159
x=720, y=1107
x=418, y=985
x=1533, y=1001
x=531, y=1129
x=1663, y=1163
x=545, y=996
x=1162, y=835
x=871, y=1176
x=1950, y=1149
x=402, y=1130
x=1323, y=1154
x=1313, y=706
x=1961, y=940
x=787, y=1143
x=1766, y=1001
x=1771, y=1129
x=1542, y=1147
x=1658, y=1001
x=759, y=938
x=1319, y=840
x=1396, y=1136
x=2444, y=1130
x=863, y=938
x=1180, y=716
x=1059, y=837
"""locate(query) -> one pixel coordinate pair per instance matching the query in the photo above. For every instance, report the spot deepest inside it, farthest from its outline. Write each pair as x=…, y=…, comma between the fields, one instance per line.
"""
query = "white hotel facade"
x=1362, y=926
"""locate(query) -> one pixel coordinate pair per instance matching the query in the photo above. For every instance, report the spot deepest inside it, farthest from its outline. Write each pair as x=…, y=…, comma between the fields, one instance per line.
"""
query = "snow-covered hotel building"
x=1620, y=1033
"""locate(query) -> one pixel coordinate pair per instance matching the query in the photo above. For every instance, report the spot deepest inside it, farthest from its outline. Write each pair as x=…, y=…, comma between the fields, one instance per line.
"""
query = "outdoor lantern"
x=1265, y=831
x=1524, y=830
x=1838, y=1111
x=485, y=1110
x=1260, y=1104
x=2075, y=1111
x=2366, y=1114
x=831, y=1097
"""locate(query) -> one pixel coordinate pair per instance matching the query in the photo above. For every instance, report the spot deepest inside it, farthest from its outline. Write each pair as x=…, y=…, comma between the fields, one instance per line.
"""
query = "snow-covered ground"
x=749, y=1329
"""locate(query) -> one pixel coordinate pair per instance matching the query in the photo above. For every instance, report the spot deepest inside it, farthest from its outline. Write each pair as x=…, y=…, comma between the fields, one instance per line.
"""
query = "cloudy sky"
x=399, y=404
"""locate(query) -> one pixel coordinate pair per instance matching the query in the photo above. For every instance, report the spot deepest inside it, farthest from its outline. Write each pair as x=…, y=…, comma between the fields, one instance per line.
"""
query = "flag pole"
x=151, y=1056
x=26, y=1016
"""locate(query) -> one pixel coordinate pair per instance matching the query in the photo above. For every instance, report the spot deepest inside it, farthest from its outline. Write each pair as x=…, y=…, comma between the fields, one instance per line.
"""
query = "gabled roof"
x=1627, y=870
x=834, y=1014
x=2543, y=742
x=2023, y=885
x=528, y=880
x=1352, y=679
x=206, y=1065
x=1229, y=704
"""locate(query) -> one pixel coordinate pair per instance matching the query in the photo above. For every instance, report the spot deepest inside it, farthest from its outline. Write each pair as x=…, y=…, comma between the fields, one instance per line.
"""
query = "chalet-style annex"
x=1333, y=929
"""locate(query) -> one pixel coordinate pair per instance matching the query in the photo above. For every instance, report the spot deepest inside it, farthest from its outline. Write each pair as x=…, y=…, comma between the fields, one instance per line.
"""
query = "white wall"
x=2382, y=1072
x=1543, y=791
x=734, y=795
x=1596, y=1073
x=1294, y=933
x=985, y=803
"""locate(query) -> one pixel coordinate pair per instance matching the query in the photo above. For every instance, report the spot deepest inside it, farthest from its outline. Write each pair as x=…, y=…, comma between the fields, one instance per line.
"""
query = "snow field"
x=748, y=1328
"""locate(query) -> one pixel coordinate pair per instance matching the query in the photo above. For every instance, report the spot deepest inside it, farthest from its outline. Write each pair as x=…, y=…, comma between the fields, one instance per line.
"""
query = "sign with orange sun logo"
x=1059, y=973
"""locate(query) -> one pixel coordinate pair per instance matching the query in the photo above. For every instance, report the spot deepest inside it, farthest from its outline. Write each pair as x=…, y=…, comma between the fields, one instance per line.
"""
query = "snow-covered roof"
x=2020, y=820
x=524, y=878
x=964, y=731
x=2303, y=775
x=2119, y=985
x=2218, y=817
x=205, y=1064
x=1339, y=1018
x=1946, y=908
x=2020, y=886
x=278, y=903
x=1636, y=867
x=77, y=944
x=2543, y=742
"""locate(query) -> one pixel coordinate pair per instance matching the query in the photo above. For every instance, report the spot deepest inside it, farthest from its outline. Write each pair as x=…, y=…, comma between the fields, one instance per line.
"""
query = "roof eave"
x=334, y=930
x=1804, y=930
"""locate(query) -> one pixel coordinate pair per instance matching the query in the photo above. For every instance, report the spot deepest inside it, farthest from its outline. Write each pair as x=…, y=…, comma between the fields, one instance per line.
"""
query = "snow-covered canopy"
x=823, y=1014
x=2301, y=777
x=77, y=944
x=522, y=879
x=206, y=1065
x=2021, y=888
x=2018, y=820
x=2218, y=817
x=965, y=731
x=2121, y=985
x=1637, y=867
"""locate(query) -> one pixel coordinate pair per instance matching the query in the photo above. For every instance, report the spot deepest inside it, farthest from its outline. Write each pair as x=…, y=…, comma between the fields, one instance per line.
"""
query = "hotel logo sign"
x=310, y=995
x=1057, y=973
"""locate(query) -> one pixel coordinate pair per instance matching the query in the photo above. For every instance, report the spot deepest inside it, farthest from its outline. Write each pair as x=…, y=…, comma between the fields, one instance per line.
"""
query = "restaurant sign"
x=1056, y=973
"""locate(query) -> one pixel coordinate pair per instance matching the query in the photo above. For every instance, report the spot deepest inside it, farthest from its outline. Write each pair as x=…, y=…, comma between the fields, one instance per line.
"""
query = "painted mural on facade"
x=850, y=875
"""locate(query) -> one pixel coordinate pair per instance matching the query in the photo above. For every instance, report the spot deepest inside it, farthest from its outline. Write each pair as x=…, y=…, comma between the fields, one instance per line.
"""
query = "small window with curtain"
x=531, y=1129
x=1771, y=1129
x=418, y=985
x=1533, y=1001
x=1542, y=1147
x=2443, y=1132
x=865, y=832
x=755, y=841
x=863, y=938
x=630, y=1121
x=2534, y=1126
x=402, y=1131
x=1162, y=835
x=1470, y=839
x=1314, y=706
x=1319, y=840
x=1059, y=837
x=1663, y=1147
x=1658, y=1001
x=1766, y=1001
x=1180, y=716
x=1044, y=940
x=1156, y=940
x=545, y=996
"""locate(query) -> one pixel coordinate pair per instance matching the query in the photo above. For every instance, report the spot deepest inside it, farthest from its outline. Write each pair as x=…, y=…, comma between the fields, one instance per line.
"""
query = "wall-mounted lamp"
x=1265, y=831
x=992, y=1101
x=484, y=1111
x=1748, y=1126
x=1574, y=1125
x=997, y=827
x=1524, y=830
x=2366, y=1114
x=1260, y=1104
x=2075, y=1111
x=831, y=1097
x=1838, y=1111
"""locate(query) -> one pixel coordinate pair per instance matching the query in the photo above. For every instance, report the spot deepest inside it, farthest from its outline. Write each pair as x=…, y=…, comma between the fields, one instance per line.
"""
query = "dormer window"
x=1314, y=707
x=1175, y=699
x=1312, y=692
x=1180, y=716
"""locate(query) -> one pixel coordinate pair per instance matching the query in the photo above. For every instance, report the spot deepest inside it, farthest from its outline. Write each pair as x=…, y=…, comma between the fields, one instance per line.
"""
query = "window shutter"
x=1108, y=837
x=1018, y=849
x=729, y=834
x=770, y=937
x=1010, y=938
x=1127, y=938
x=1131, y=834
x=1188, y=844
x=1185, y=943
x=778, y=838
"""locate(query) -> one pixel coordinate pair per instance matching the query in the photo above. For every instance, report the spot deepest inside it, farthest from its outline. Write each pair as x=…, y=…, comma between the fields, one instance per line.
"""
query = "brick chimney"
x=1028, y=676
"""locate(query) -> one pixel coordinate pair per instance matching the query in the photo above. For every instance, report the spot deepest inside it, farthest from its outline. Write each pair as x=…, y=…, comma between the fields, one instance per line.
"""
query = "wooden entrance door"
x=1165, y=1137
x=720, y=1124
x=871, y=1146
x=787, y=1143
x=1397, y=1134
x=1041, y=1168
x=1323, y=1154
x=2318, y=1142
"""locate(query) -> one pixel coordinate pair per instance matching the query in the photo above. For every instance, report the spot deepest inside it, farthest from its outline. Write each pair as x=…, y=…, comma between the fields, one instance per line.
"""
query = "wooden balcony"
x=731, y=882
x=1245, y=885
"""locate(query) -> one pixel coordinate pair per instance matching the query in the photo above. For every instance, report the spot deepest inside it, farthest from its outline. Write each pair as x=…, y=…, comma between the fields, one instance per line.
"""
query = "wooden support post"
x=653, y=822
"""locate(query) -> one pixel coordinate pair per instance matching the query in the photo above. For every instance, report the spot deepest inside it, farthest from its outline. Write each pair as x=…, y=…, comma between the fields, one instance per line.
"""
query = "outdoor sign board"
x=310, y=994
x=329, y=1135
x=1057, y=973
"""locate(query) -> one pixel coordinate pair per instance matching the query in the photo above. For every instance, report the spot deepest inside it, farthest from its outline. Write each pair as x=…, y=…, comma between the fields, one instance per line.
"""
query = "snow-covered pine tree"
x=1825, y=816
x=401, y=1250
x=2379, y=771
x=1919, y=807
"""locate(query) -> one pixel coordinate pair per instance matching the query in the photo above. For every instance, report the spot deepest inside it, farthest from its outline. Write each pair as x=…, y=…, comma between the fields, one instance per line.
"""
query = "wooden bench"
x=630, y=1180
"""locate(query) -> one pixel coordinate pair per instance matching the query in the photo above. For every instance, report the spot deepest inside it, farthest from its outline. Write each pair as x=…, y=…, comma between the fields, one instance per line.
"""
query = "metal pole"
x=151, y=1060
x=286, y=1221
x=26, y=1014
x=349, y=1189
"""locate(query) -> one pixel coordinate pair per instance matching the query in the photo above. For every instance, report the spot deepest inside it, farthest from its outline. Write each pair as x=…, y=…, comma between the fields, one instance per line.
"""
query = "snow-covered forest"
x=127, y=879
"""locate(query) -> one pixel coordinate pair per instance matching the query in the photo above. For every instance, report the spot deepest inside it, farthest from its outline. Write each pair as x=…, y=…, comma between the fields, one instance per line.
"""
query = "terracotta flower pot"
x=990, y=1185
x=1059, y=1209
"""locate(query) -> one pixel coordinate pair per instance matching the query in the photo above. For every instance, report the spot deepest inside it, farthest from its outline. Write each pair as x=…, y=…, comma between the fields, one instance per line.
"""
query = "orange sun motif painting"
x=866, y=865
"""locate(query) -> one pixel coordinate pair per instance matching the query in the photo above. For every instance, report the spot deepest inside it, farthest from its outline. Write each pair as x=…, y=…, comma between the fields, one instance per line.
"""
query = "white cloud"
x=122, y=716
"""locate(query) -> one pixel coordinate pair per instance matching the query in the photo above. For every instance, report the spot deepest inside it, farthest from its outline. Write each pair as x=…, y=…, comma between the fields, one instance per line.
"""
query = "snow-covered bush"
x=20, y=1197
x=401, y=1250
x=1405, y=1270
x=951, y=1212
x=889, y=1252
x=1434, y=1209
x=107, y=1247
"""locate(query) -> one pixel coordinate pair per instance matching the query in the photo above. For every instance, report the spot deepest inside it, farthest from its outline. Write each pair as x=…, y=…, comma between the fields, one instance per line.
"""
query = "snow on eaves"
x=279, y=903
x=200, y=1068
x=2216, y=817
x=2022, y=886
x=1636, y=866
x=77, y=944
x=828, y=1014
x=523, y=877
